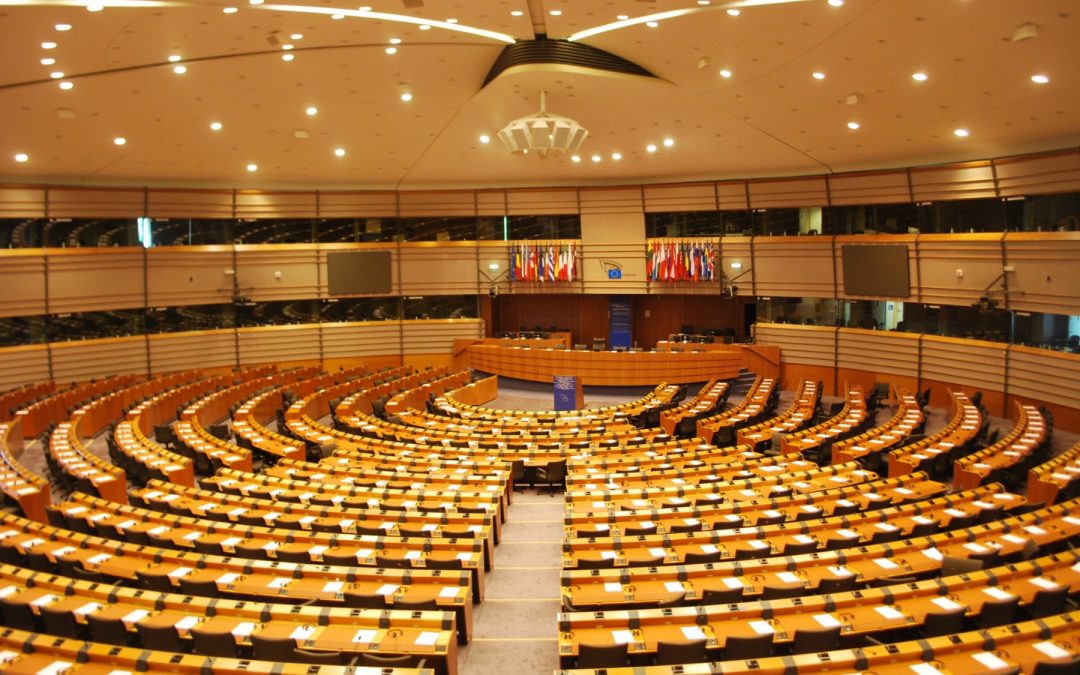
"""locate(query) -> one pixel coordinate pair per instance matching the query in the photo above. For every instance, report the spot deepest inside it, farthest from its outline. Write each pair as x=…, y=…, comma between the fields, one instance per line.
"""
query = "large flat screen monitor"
x=876, y=270
x=358, y=272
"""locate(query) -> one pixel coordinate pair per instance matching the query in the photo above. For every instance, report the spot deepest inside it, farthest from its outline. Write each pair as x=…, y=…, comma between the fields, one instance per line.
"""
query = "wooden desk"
x=1027, y=441
x=1047, y=481
x=908, y=417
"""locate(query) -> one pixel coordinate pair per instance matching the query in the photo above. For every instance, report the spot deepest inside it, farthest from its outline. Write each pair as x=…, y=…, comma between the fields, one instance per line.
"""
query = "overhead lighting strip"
x=398, y=18
x=661, y=16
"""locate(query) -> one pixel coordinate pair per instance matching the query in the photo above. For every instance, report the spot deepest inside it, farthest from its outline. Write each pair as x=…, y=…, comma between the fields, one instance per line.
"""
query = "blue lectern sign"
x=566, y=392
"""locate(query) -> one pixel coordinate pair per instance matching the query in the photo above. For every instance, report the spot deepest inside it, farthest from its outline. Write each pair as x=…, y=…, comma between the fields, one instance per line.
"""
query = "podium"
x=569, y=394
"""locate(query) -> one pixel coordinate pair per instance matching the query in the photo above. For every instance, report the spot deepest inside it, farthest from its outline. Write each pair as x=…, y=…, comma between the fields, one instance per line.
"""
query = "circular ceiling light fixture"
x=543, y=133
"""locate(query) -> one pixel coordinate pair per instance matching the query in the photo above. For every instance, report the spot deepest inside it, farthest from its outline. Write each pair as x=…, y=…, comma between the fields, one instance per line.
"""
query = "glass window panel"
x=441, y=307
x=334, y=310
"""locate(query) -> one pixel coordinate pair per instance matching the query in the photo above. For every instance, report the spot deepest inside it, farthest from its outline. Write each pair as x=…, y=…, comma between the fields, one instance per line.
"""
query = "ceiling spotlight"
x=596, y=158
x=406, y=97
x=48, y=45
x=725, y=73
x=337, y=17
x=651, y=147
x=517, y=12
x=425, y=26
x=836, y=3
x=622, y=17
x=734, y=12
x=451, y=21
x=920, y=76
x=391, y=50
x=287, y=47
x=119, y=140
x=173, y=58
x=48, y=62
x=95, y=7
x=296, y=36
x=962, y=133
x=652, y=24
x=555, y=12
x=575, y=158
x=312, y=111
x=230, y=10
x=616, y=156
x=1040, y=79
x=668, y=142
x=853, y=125
x=22, y=157
x=364, y=8
x=255, y=2
x=339, y=152
x=395, y=41
x=215, y=126
x=66, y=85
x=703, y=2
x=180, y=70
x=63, y=27
x=288, y=57
x=544, y=133
x=818, y=75
x=485, y=139
x=56, y=75
x=253, y=167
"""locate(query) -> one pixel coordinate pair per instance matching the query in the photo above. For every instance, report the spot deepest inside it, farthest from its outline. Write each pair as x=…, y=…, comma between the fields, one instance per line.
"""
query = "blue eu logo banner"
x=614, y=273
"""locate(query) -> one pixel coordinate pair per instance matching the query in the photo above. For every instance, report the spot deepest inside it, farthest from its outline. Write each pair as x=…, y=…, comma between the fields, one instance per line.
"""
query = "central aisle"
x=515, y=626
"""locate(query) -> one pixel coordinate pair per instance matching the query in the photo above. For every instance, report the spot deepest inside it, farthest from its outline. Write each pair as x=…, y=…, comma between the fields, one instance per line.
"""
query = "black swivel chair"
x=602, y=656
x=670, y=653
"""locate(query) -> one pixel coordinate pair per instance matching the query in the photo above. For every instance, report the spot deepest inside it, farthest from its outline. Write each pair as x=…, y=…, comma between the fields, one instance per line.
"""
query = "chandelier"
x=543, y=133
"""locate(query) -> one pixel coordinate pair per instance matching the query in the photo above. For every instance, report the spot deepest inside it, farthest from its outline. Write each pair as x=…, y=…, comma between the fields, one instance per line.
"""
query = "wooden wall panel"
x=609, y=200
x=547, y=201
x=171, y=352
x=177, y=203
x=964, y=362
x=885, y=187
x=775, y=273
x=23, y=273
x=258, y=269
x=262, y=204
x=84, y=280
x=278, y=344
x=24, y=364
x=738, y=250
x=584, y=316
x=613, y=241
x=357, y=204
x=189, y=275
x=940, y=256
x=1047, y=272
x=86, y=359
x=371, y=338
x=805, y=345
x=22, y=201
x=70, y=202
x=879, y=351
x=491, y=203
x=439, y=268
x=442, y=204
x=693, y=197
x=1045, y=376
x=788, y=192
x=974, y=180
x=656, y=317
x=1035, y=174
x=437, y=337
x=732, y=195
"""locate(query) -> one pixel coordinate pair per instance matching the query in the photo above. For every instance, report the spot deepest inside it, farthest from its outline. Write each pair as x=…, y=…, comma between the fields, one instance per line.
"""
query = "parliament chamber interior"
x=604, y=337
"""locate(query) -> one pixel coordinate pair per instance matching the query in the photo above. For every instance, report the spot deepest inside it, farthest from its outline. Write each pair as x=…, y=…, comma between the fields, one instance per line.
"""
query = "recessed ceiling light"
x=56, y=75
x=337, y=17
x=339, y=152
x=48, y=62
x=616, y=156
x=1040, y=79
x=734, y=12
x=484, y=138
x=668, y=142
x=651, y=147
x=817, y=75
x=62, y=27
x=853, y=125
x=173, y=58
x=725, y=73
x=296, y=36
x=48, y=45
x=391, y=50
x=517, y=12
x=65, y=85
x=920, y=76
x=652, y=24
x=119, y=140
x=395, y=41
x=836, y=3
x=288, y=57
x=451, y=21
x=702, y=2
x=287, y=47
x=575, y=158
x=364, y=8
x=425, y=26
x=622, y=17
x=596, y=158
x=230, y=10
x=215, y=126
x=255, y=2
x=962, y=133
x=180, y=70
x=406, y=97
x=555, y=12
x=21, y=157
x=95, y=7
x=252, y=167
x=312, y=111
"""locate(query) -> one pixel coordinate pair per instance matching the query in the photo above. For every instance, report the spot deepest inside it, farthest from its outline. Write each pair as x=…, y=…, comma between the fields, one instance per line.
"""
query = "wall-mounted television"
x=876, y=270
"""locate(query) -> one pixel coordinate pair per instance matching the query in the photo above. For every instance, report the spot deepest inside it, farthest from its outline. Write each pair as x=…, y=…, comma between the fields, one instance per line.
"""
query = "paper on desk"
x=99, y=559
x=607, y=555
x=333, y=586
x=947, y=604
x=925, y=669
x=427, y=638
x=187, y=623
x=135, y=615
x=56, y=668
x=990, y=660
x=997, y=594
x=709, y=548
x=885, y=563
x=693, y=632
x=674, y=586
x=1051, y=650
x=44, y=600
x=889, y=612
x=302, y=632
x=612, y=587
x=279, y=582
x=622, y=637
x=386, y=589
x=448, y=592
x=243, y=629
x=364, y=635
x=827, y=620
x=788, y=577
x=762, y=627
x=1043, y=583
x=657, y=552
x=88, y=608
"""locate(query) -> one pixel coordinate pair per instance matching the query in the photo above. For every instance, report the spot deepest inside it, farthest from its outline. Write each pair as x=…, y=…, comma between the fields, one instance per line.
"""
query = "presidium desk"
x=610, y=368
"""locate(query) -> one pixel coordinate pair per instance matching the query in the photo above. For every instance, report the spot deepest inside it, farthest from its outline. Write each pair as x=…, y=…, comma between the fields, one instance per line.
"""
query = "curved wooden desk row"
x=20, y=486
x=664, y=474
x=941, y=446
x=750, y=410
x=1052, y=526
x=605, y=368
x=644, y=545
x=1060, y=476
x=1014, y=648
x=849, y=421
x=163, y=569
x=23, y=653
x=414, y=398
x=383, y=468
x=135, y=454
x=342, y=475
x=800, y=413
x=39, y=415
x=717, y=513
x=1024, y=444
x=13, y=400
x=117, y=615
x=707, y=401
x=685, y=452
x=85, y=471
x=467, y=401
x=908, y=419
